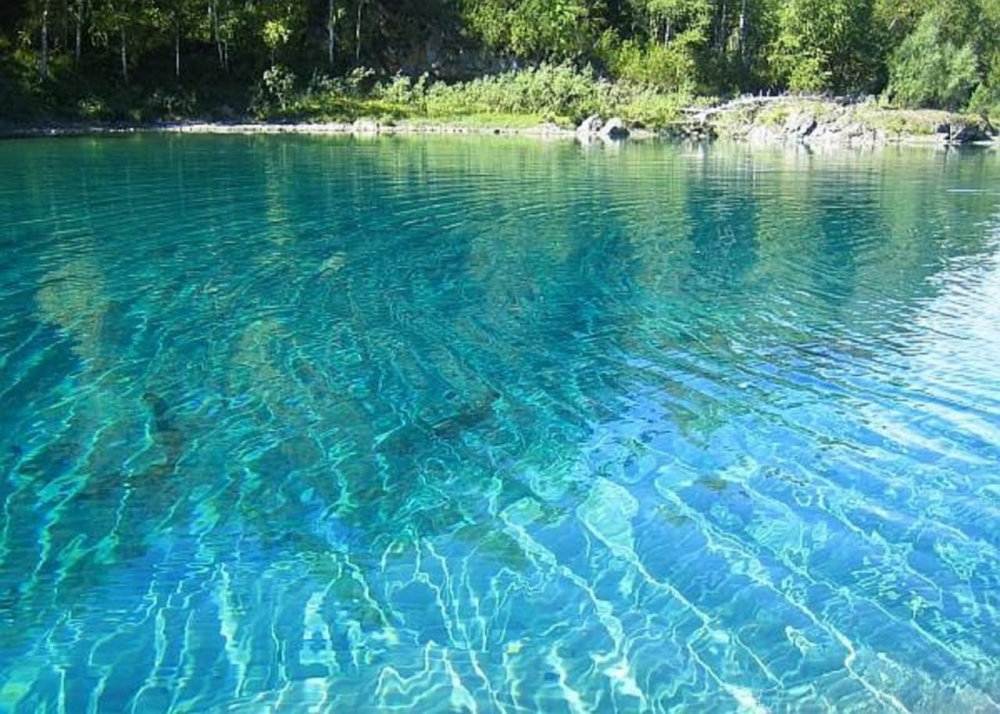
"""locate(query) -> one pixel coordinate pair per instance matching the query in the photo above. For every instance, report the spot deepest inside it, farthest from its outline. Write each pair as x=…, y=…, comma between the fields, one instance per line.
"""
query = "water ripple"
x=461, y=425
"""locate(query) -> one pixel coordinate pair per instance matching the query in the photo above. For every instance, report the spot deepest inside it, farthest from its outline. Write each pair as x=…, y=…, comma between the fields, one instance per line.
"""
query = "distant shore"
x=362, y=127
x=754, y=120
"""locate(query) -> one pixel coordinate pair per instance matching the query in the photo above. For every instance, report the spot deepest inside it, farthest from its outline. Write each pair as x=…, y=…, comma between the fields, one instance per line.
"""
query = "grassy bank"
x=555, y=94
x=521, y=100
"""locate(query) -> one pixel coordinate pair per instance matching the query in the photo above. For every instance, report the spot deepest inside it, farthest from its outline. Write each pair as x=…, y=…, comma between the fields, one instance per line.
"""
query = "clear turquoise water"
x=293, y=425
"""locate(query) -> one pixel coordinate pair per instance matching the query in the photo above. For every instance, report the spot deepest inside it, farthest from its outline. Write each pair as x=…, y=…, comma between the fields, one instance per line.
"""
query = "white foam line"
x=282, y=657
x=604, y=612
x=160, y=645
x=741, y=695
x=447, y=587
x=53, y=654
x=313, y=624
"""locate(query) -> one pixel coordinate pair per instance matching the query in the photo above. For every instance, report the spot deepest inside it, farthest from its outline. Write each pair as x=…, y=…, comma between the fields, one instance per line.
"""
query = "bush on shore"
x=556, y=93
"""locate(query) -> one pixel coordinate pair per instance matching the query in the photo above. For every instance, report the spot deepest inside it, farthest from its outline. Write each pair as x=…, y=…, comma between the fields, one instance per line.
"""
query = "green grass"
x=490, y=120
x=558, y=94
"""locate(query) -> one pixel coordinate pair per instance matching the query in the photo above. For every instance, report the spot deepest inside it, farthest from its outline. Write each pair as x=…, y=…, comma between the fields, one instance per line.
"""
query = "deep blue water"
x=484, y=425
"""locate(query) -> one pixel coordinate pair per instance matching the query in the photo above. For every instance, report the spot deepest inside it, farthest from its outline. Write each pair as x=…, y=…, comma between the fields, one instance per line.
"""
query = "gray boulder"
x=961, y=132
x=590, y=126
x=365, y=126
x=800, y=125
x=966, y=133
x=615, y=130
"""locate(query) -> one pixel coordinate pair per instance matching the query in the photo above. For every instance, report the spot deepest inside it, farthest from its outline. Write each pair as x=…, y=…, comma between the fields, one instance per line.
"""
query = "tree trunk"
x=214, y=12
x=177, y=52
x=79, y=31
x=357, y=36
x=43, y=67
x=720, y=32
x=124, y=54
x=743, y=31
x=331, y=24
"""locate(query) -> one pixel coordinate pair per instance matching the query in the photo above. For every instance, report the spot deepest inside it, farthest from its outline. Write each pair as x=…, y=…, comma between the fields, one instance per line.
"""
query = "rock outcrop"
x=589, y=127
x=962, y=132
x=594, y=128
x=614, y=129
x=366, y=126
x=825, y=121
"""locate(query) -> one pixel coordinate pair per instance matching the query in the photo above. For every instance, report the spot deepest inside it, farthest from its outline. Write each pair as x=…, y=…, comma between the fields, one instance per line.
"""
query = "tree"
x=534, y=30
x=78, y=11
x=334, y=14
x=43, y=69
x=928, y=70
x=668, y=18
x=825, y=45
x=174, y=19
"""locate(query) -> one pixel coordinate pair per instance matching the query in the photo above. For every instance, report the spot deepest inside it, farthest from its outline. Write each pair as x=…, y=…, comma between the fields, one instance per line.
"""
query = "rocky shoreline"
x=757, y=120
x=362, y=127
x=831, y=122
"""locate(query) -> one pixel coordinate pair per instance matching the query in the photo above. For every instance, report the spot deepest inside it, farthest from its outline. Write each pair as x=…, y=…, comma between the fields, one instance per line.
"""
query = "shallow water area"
x=485, y=424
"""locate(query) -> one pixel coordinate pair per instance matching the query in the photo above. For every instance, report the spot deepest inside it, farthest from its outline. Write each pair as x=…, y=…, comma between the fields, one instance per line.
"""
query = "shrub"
x=558, y=93
x=985, y=100
x=275, y=89
x=670, y=67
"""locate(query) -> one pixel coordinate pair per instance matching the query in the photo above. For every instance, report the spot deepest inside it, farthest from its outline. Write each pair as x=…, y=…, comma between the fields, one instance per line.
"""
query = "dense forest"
x=148, y=59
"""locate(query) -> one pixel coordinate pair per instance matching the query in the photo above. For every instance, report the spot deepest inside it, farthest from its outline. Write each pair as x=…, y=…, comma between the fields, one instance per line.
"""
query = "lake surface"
x=297, y=424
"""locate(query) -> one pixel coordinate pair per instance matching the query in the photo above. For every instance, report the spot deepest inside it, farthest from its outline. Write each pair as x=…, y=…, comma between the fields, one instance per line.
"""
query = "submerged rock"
x=332, y=264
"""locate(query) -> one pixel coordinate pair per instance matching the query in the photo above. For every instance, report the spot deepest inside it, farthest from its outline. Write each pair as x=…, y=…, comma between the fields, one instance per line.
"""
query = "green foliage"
x=929, y=71
x=670, y=67
x=275, y=90
x=774, y=115
x=555, y=93
x=155, y=58
x=553, y=90
x=275, y=34
x=669, y=18
x=825, y=45
x=985, y=100
x=535, y=30
x=647, y=106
